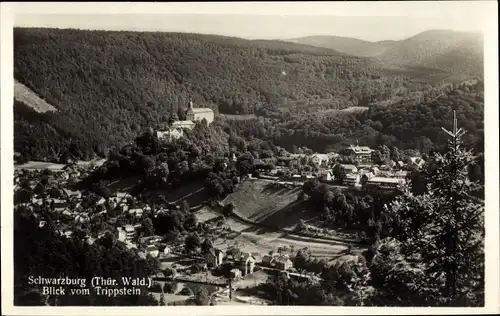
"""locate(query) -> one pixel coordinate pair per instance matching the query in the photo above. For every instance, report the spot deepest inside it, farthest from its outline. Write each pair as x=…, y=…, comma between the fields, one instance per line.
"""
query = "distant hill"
x=455, y=52
x=458, y=53
x=347, y=45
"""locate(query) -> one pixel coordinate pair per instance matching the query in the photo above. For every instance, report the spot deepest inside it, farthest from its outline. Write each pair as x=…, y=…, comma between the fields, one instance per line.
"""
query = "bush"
x=186, y=291
x=156, y=287
x=169, y=287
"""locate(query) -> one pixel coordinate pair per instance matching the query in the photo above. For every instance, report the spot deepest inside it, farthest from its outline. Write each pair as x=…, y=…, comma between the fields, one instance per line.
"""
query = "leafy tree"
x=201, y=296
x=303, y=256
x=228, y=210
x=169, y=287
x=147, y=227
x=206, y=245
x=377, y=157
x=234, y=252
x=23, y=196
x=162, y=299
x=186, y=291
x=185, y=207
x=190, y=222
x=339, y=172
x=192, y=243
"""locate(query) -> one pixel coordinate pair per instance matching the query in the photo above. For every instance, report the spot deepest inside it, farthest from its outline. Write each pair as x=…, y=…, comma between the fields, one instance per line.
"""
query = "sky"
x=385, y=21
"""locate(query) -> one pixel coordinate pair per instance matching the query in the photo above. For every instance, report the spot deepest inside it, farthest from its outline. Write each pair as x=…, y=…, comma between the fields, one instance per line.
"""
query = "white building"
x=198, y=114
x=153, y=251
x=352, y=179
x=320, y=159
x=350, y=168
x=386, y=183
x=361, y=153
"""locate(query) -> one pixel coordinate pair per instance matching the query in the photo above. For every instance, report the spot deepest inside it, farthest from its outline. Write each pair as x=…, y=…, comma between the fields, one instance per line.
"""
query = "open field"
x=420, y=74
x=55, y=166
x=238, y=117
x=255, y=239
x=30, y=98
x=351, y=109
x=261, y=202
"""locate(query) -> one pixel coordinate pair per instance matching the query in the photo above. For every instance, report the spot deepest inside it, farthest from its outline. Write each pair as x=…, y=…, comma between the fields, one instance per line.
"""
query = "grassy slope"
x=258, y=201
x=30, y=98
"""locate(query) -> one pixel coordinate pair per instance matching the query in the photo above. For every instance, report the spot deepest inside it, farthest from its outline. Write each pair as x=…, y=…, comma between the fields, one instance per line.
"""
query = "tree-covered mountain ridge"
x=108, y=86
x=452, y=51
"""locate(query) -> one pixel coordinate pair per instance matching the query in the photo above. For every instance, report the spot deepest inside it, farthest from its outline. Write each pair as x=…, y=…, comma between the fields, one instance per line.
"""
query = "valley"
x=231, y=171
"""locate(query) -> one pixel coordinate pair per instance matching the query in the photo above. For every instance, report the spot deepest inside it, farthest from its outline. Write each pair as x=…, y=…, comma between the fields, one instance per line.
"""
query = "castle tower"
x=190, y=112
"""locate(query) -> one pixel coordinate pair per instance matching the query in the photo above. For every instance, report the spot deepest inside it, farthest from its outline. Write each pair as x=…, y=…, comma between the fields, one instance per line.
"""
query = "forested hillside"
x=460, y=54
x=414, y=124
x=347, y=45
x=109, y=86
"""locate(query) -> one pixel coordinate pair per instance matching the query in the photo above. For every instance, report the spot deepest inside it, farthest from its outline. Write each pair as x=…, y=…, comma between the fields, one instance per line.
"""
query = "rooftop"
x=386, y=180
x=202, y=110
x=349, y=166
x=361, y=149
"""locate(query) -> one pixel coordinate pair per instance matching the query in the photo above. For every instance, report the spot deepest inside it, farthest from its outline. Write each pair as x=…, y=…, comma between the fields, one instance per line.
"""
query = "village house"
x=282, y=262
x=126, y=233
x=167, y=251
x=386, y=183
x=174, y=132
x=326, y=176
x=153, y=251
x=67, y=233
x=235, y=273
x=391, y=164
x=72, y=194
x=214, y=257
x=349, y=168
x=320, y=160
x=136, y=211
x=352, y=179
x=401, y=174
x=150, y=240
x=101, y=201
x=375, y=170
x=245, y=263
x=360, y=153
x=417, y=161
x=82, y=218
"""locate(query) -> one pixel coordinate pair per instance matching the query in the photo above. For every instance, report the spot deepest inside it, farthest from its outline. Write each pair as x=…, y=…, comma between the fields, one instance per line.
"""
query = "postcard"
x=250, y=158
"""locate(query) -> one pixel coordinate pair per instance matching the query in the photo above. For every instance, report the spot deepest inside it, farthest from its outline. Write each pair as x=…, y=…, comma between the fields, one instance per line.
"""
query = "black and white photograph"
x=248, y=160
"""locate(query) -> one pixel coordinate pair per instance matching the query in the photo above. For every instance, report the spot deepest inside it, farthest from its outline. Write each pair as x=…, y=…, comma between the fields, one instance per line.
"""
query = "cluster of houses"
x=244, y=263
x=364, y=172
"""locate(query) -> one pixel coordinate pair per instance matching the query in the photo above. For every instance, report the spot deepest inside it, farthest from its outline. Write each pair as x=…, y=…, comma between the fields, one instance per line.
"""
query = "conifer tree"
x=162, y=299
x=441, y=233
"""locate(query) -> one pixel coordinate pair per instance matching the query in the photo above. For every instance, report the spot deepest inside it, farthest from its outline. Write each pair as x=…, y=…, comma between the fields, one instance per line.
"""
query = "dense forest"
x=458, y=54
x=406, y=125
x=110, y=86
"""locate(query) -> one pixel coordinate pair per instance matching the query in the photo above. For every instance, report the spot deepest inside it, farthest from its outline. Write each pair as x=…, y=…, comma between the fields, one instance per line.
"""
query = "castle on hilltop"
x=192, y=114
x=198, y=114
